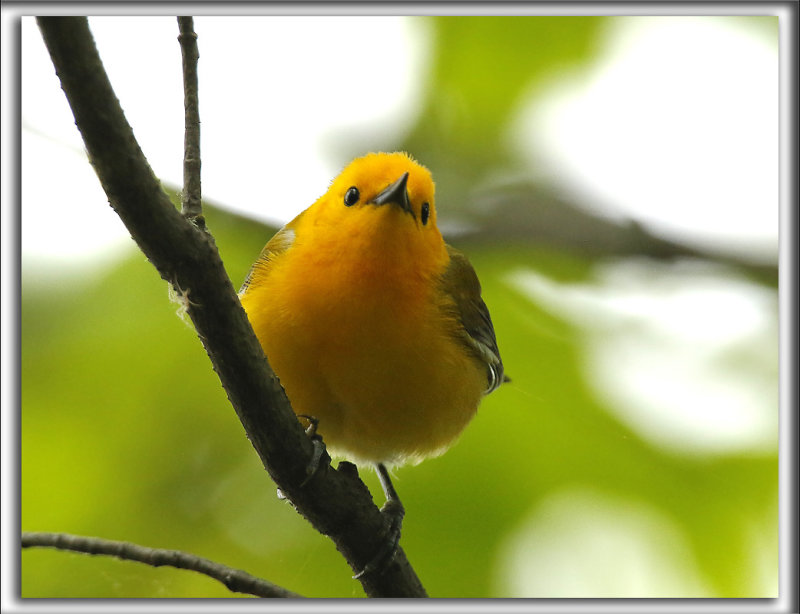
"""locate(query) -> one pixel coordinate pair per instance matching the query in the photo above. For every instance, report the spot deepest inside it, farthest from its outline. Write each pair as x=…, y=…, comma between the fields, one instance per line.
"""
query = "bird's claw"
x=394, y=512
x=319, y=448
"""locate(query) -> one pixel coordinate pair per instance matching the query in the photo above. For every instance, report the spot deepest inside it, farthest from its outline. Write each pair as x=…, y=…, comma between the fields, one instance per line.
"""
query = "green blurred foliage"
x=127, y=434
x=483, y=65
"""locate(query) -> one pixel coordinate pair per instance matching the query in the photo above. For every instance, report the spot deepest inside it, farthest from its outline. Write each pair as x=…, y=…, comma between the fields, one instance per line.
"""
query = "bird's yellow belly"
x=387, y=384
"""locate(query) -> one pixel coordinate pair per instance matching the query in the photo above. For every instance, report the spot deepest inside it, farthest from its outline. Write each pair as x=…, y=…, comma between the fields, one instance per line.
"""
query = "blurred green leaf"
x=483, y=64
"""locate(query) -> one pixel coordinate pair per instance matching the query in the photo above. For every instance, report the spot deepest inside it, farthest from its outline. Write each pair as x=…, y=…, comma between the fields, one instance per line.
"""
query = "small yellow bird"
x=375, y=326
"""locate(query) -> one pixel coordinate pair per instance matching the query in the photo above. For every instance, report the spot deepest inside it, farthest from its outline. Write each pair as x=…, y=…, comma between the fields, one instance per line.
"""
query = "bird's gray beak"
x=395, y=194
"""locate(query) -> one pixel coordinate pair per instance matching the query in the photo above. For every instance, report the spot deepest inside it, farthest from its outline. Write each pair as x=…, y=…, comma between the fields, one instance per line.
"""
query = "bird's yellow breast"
x=368, y=348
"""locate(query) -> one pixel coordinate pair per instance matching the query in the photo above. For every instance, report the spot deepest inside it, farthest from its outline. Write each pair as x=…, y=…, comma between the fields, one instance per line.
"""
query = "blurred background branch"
x=234, y=580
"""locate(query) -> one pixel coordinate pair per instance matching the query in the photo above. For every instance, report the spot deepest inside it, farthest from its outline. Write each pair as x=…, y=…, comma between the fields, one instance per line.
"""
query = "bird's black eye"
x=425, y=213
x=351, y=196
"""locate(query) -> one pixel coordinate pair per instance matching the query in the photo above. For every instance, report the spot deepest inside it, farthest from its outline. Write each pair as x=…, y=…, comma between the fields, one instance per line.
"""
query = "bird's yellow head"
x=377, y=188
x=381, y=211
x=394, y=179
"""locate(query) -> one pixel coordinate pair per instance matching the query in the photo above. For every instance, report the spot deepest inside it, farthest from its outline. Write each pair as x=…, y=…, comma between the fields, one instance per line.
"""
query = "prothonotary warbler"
x=375, y=326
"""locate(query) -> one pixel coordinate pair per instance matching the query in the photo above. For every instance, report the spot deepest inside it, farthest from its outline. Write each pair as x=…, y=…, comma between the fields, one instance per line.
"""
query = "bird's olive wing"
x=460, y=282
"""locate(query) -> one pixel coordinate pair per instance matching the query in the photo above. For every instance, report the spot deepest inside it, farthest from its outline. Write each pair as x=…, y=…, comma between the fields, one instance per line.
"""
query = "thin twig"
x=335, y=501
x=235, y=580
x=191, y=196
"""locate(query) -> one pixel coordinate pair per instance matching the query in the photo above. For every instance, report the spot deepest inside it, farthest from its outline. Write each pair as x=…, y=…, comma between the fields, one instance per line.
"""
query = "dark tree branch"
x=191, y=196
x=335, y=501
x=235, y=580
